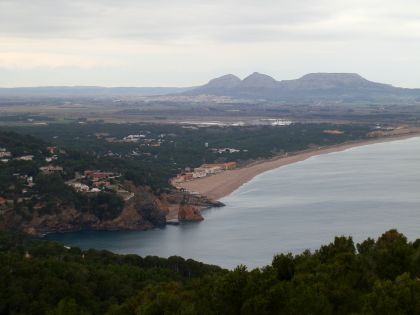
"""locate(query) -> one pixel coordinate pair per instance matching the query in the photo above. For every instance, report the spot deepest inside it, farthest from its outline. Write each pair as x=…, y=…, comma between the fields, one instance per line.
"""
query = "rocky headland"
x=142, y=212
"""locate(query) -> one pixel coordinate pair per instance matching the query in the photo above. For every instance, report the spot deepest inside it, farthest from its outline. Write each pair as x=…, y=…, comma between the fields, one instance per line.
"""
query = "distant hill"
x=314, y=86
x=89, y=91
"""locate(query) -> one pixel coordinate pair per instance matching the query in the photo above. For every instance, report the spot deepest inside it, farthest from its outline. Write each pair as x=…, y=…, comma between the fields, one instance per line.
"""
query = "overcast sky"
x=187, y=42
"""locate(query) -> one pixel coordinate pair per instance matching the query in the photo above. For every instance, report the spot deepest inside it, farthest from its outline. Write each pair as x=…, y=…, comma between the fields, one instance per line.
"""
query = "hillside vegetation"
x=373, y=277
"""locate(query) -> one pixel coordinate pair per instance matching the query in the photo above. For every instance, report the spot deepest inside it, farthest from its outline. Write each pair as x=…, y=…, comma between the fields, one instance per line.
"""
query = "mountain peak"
x=259, y=80
x=225, y=81
x=333, y=76
x=332, y=80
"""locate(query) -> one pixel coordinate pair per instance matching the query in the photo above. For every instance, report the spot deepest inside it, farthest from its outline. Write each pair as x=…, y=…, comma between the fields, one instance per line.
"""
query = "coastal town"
x=202, y=171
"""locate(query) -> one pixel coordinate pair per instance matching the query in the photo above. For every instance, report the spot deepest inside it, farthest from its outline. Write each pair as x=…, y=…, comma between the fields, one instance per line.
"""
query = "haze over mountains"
x=88, y=91
x=313, y=87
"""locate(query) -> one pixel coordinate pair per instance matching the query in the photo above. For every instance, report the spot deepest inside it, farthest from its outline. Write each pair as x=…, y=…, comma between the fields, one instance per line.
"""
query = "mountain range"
x=313, y=86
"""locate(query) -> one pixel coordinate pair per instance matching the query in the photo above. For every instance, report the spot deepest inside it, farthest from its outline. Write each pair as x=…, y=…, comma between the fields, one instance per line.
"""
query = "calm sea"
x=360, y=192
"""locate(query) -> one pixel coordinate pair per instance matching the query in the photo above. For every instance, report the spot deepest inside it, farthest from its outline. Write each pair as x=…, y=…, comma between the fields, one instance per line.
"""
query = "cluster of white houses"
x=203, y=171
x=133, y=138
x=6, y=155
x=94, y=181
x=226, y=150
x=143, y=140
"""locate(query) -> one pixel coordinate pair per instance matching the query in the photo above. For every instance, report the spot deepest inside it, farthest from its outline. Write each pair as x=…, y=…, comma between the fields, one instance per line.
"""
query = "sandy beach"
x=222, y=184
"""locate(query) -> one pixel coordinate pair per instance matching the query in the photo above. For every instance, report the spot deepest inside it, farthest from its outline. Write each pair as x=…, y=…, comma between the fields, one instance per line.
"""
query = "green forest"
x=372, y=277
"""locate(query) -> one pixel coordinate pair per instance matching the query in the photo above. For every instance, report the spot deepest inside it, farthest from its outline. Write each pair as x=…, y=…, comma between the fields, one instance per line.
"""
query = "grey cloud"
x=152, y=20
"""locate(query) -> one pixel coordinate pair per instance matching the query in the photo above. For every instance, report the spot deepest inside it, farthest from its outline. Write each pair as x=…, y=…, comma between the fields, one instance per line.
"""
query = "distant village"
x=92, y=181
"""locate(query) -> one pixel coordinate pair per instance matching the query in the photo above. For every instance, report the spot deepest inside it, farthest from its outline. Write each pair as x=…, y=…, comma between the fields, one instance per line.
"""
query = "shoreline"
x=220, y=185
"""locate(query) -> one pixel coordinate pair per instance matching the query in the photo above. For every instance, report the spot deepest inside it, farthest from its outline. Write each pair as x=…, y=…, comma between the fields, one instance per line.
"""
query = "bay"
x=360, y=192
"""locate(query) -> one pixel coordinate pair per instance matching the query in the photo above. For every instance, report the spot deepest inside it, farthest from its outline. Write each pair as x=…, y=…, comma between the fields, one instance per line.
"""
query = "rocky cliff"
x=144, y=211
x=141, y=212
x=185, y=207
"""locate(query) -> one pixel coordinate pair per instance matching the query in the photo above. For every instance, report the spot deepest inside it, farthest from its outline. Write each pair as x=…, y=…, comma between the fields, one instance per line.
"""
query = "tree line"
x=373, y=277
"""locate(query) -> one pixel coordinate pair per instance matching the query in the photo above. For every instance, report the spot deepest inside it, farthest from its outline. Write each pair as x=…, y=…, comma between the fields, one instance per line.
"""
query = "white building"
x=199, y=172
x=4, y=153
x=133, y=138
x=80, y=187
x=25, y=158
